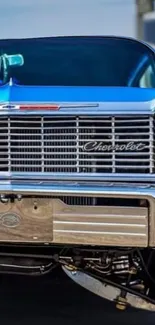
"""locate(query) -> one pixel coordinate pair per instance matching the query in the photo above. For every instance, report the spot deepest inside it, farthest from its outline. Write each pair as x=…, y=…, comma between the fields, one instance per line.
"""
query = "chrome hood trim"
x=82, y=108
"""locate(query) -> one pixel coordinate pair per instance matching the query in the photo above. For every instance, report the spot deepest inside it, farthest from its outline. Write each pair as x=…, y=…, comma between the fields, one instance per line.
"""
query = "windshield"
x=80, y=61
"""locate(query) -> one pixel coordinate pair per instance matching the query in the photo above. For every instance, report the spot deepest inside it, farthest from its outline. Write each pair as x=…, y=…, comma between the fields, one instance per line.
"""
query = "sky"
x=33, y=18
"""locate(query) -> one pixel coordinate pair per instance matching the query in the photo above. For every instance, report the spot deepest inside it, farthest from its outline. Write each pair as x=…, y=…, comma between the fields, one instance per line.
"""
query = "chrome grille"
x=60, y=144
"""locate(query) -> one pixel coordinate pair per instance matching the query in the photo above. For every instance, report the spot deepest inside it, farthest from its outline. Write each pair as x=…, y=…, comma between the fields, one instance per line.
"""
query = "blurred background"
x=33, y=18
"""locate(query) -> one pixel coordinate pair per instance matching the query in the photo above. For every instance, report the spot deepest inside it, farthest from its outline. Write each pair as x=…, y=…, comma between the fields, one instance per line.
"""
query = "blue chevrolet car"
x=77, y=163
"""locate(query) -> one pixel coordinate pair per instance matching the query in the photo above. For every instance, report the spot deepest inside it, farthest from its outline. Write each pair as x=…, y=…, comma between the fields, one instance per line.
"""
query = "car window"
x=147, y=79
x=77, y=61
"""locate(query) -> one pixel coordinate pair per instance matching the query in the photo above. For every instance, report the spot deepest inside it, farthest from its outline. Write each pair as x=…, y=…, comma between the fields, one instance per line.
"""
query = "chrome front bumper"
x=57, y=222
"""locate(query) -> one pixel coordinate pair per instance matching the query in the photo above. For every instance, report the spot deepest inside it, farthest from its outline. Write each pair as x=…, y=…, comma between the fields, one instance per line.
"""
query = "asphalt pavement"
x=56, y=300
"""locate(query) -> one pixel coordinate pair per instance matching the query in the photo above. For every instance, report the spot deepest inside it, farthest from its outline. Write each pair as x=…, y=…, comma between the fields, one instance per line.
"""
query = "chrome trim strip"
x=97, y=232
x=99, y=224
x=76, y=189
x=82, y=108
x=87, y=177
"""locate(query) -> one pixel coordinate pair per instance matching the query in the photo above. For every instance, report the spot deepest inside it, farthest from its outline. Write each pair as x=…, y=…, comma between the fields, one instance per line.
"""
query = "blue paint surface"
x=14, y=93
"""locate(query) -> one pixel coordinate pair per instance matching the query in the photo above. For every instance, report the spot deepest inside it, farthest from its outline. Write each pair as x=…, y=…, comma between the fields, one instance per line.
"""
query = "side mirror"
x=13, y=60
x=7, y=61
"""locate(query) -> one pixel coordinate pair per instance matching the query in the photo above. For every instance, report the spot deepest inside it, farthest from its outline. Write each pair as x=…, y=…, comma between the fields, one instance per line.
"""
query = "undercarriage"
x=124, y=276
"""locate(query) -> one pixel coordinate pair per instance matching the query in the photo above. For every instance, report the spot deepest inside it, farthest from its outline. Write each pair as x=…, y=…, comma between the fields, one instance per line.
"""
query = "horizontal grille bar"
x=68, y=159
x=77, y=144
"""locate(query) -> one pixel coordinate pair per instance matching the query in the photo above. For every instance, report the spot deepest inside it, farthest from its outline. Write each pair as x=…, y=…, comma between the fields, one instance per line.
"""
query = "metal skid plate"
x=106, y=291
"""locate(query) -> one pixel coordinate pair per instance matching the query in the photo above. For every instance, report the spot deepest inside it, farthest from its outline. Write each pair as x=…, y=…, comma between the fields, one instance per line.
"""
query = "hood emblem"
x=95, y=146
x=6, y=107
x=30, y=107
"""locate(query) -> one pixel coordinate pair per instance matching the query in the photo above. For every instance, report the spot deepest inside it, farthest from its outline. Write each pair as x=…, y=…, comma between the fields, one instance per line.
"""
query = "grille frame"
x=75, y=135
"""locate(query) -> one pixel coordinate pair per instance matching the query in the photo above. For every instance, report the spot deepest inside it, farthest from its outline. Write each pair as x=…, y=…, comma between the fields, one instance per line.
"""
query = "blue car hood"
x=15, y=93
